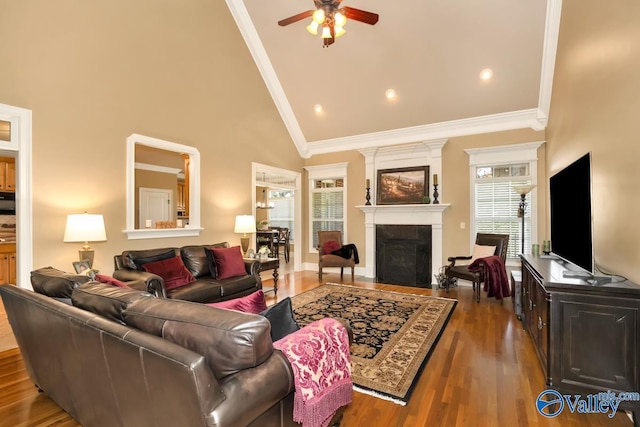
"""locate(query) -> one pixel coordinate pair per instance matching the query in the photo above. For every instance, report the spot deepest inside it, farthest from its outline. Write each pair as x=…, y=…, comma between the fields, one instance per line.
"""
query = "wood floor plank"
x=483, y=372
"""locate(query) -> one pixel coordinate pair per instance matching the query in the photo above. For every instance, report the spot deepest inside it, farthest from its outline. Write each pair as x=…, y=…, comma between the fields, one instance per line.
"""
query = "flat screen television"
x=571, y=227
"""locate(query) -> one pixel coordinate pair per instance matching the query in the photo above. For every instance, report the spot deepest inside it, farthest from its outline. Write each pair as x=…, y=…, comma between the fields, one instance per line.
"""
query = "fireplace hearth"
x=403, y=254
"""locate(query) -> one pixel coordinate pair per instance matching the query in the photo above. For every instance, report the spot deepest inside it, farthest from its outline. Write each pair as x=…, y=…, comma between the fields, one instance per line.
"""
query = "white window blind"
x=497, y=203
x=327, y=207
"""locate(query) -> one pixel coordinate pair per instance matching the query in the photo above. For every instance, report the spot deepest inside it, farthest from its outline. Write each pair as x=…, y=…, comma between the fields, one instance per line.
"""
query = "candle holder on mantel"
x=435, y=194
x=367, y=197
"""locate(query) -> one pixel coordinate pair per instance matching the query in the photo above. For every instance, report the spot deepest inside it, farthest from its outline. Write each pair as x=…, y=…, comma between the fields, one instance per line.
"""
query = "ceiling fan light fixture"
x=339, y=31
x=313, y=28
x=318, y=16
x=326, y=32
x=339, y=19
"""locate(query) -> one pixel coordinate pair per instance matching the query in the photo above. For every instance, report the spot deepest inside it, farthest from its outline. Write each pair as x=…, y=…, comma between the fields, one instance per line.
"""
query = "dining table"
x=268, y=238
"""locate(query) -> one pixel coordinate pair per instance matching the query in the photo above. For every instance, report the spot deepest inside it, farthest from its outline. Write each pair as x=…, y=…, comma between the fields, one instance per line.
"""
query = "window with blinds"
x=282, y=213
x=327, y=206
x=496, y=204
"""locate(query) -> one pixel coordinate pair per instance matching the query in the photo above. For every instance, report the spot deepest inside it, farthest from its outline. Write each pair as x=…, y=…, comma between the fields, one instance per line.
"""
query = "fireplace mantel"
x=404, y=209
x=415, y=214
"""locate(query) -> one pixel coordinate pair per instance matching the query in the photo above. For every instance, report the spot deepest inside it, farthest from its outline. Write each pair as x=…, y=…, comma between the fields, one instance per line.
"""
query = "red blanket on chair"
x=496, y=282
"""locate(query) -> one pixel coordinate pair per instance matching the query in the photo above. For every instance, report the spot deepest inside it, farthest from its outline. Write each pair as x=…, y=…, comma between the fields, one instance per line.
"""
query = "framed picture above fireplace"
x=402, y=186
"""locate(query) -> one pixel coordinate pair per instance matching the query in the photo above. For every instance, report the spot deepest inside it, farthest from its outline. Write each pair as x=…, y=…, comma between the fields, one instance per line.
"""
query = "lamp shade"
x=245, y=224
x=523, y=189
x=85, y=228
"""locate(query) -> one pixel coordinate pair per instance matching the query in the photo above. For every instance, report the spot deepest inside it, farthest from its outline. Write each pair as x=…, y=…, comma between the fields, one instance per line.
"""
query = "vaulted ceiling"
x=430, y=52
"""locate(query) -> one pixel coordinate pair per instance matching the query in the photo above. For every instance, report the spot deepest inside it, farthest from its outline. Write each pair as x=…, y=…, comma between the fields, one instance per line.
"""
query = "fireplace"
x=403, y=254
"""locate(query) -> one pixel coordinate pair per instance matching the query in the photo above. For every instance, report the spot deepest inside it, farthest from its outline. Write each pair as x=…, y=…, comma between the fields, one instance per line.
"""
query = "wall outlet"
x=463, y=226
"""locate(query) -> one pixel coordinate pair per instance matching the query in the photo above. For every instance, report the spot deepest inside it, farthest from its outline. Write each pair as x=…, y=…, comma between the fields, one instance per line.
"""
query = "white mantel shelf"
x=413, y=208
x=413, y=214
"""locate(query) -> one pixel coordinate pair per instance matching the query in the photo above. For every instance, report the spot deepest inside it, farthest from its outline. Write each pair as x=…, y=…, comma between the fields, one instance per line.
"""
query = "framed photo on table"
x=402, y=186
x=81, y=267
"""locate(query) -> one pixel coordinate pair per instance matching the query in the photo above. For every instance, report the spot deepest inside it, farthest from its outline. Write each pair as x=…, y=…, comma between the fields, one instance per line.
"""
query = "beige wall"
x=95, y=72
x=595, y=107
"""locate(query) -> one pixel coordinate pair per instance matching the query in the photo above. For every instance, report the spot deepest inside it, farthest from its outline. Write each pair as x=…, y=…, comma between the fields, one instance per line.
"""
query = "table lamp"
x=245, y=224
x=85, y=228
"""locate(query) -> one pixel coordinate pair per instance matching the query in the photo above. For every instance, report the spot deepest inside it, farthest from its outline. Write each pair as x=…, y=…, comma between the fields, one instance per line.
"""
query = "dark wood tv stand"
x=586, y=332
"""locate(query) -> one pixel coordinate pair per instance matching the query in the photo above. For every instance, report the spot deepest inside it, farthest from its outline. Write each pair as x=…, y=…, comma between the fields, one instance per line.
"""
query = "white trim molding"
x=297, y=207
x=194, y=228
x=504, y=155
x=332, y=170
x=403, y=215
x=20, y=147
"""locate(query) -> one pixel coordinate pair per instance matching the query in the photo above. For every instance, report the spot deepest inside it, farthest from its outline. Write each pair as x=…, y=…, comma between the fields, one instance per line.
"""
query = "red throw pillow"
x=330, y=246
x=229, y=262
x=252, y=303
x=110, y=281
x=172, y=270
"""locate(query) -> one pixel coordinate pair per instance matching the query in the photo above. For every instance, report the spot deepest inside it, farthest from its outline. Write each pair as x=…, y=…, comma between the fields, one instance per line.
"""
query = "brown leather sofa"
x=204, y=289
x=123, y=357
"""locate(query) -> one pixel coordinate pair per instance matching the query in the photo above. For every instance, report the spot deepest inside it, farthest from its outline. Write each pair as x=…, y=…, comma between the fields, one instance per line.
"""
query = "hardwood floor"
x=483, y=372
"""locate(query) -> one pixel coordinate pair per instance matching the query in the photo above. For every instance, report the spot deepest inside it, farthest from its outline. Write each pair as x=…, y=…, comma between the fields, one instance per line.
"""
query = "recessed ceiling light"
x=390, y=94
x=318, y=108
x=486, y=74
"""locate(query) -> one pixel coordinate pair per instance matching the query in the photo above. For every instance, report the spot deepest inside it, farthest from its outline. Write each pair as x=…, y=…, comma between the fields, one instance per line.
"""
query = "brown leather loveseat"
x=121, y=357
x=206, y=288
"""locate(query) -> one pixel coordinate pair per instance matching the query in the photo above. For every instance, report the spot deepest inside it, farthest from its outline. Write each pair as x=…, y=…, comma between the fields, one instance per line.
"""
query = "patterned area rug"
x=393, y=333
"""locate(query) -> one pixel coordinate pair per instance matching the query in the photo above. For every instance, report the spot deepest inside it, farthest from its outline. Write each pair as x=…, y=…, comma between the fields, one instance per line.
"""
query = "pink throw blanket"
x=496, y=282
x=319, y=356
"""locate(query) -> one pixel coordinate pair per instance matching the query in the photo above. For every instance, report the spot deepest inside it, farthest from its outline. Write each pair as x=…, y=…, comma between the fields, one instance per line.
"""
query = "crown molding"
x=444, y=130
x=260, y=57
x=549, y=49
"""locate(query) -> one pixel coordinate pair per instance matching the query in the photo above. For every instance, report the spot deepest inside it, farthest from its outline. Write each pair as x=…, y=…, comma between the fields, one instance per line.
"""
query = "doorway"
x=155, y=206
x=18, y=145
x=281, y=182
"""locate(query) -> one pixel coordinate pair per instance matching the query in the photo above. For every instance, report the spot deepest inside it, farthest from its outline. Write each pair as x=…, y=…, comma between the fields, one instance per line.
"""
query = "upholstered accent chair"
x=476, y=277
x=326, y=259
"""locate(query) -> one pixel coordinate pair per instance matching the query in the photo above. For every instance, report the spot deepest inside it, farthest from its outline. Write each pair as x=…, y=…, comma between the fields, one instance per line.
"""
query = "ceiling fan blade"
x=295, y=18
x=360, y=15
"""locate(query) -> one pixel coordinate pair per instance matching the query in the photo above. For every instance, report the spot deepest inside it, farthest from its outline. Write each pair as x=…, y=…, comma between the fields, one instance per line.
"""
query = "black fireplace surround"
x=403, y=254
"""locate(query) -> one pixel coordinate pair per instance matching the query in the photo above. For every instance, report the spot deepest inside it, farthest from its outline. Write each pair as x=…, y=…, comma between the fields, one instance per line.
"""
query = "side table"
x=269, y=264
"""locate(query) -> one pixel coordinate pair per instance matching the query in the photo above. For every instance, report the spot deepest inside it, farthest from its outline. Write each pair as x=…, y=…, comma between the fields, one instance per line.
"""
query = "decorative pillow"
x=330, y=246
x=229, y=262
x=253, y=303
x=280, y=315
x=110, y=281
x=172, y=270
x=139, y=261
x=213, y=268
x=480, y=251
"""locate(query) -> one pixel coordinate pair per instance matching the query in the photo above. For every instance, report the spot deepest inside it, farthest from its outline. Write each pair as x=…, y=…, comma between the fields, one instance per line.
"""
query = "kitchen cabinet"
x=8, y=264
x=7, y=174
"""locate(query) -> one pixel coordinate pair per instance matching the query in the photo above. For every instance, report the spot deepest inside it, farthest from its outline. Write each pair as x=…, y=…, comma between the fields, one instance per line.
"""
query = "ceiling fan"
x=331, y=17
